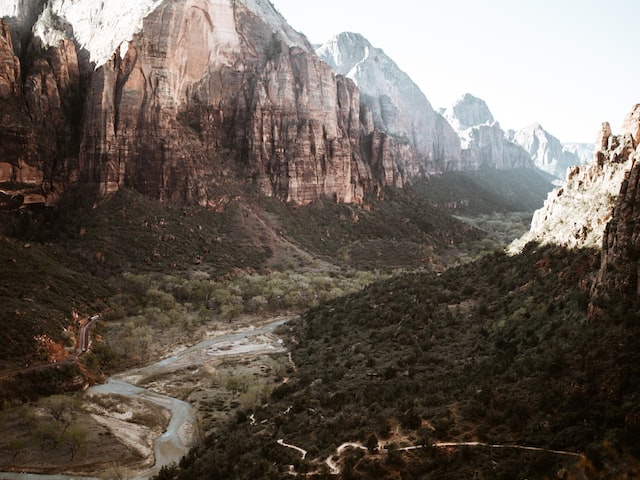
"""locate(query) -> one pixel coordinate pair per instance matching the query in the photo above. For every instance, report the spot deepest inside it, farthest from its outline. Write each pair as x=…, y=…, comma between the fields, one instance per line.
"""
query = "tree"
x=62, y=408
x=372, y=443
x=75, y=438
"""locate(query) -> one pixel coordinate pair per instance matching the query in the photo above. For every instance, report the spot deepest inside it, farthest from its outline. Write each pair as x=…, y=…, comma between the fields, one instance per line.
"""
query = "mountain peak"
x=345, y=51
x=468, y=111
x=102, y=28
x=483, y=142
x=547, y=151
x=393, y=102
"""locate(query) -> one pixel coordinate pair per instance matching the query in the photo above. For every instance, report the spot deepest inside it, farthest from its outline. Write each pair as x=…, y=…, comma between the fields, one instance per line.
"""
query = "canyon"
x=198, y=101
x=203, y=168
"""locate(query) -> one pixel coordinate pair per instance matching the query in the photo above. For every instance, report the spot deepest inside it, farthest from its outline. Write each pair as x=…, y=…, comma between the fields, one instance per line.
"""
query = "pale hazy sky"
x=568, y=64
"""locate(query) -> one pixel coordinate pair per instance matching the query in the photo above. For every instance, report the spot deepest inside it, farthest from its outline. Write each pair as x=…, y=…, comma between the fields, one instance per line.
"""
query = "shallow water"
x=169, y=447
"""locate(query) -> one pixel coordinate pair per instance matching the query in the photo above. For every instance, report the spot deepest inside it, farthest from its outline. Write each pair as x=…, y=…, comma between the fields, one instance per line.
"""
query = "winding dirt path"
x=332, y=460
x=302, y=451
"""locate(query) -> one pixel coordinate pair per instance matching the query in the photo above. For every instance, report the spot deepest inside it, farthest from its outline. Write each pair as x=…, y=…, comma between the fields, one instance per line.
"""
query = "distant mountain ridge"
x=548, y=153
x=184, y=103
x=392, y=102
x=483, y=141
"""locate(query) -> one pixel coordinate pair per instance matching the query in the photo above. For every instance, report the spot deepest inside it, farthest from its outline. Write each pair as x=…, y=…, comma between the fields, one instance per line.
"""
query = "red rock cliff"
x=210, y=95
x=39, y=128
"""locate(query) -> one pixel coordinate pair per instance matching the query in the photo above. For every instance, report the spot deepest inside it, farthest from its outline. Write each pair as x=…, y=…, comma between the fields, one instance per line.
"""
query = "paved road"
x=83, y=342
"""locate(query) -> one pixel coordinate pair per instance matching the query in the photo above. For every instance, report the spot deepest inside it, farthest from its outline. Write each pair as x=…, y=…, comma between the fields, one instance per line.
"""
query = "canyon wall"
x=617, y=287
x=40, y=111
x=576, y=214
x=209, y=97
x=198, y=100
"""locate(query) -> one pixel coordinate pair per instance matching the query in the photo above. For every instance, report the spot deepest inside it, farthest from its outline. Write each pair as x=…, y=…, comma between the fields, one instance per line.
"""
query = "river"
x=180, y=435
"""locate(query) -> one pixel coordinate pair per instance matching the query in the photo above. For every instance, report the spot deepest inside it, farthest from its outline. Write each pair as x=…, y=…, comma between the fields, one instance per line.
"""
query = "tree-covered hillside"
x=498, y=351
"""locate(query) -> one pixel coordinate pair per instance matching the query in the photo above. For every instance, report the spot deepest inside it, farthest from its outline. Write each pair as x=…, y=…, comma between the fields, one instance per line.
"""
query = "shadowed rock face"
x=209, y=94
x=210, y=97
x=38, y=136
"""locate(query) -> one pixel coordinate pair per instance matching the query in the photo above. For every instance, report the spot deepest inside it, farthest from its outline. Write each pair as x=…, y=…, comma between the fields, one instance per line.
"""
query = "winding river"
x=175, y=442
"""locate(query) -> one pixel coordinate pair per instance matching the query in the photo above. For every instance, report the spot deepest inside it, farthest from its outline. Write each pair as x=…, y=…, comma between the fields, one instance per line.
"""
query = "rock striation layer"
x=402, y=131
x=484, y=144
x=576, y=214
x=193, y=100
x=618, y=283
x=548, y=153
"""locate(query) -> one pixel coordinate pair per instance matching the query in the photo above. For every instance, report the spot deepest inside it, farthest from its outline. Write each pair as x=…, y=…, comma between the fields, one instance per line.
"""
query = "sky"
x=568, y=64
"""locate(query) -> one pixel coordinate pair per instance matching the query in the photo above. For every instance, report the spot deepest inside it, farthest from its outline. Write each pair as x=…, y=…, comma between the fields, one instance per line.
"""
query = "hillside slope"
x=423, y=359
x=71, y=260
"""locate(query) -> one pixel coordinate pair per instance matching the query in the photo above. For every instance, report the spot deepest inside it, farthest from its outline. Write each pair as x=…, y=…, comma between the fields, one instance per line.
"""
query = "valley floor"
x=230, y=369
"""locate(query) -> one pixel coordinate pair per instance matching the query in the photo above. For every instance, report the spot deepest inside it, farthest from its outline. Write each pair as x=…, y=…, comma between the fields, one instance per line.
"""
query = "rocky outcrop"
x=483, y=141
x=618, y=286
x=576, y=214
x=9, y=64
x=24, y=163
x=548, y=153
x=417, y=140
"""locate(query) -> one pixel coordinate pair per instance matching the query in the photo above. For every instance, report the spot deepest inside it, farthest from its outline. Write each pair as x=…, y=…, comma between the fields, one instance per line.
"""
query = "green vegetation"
x=497, y=351
x=74, y=258
x=172, y=306
x=53, y=425
x=167, y=274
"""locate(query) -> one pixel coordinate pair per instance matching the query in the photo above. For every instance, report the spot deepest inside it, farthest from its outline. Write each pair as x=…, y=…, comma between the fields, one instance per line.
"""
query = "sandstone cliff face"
x=202, y=99
x=37, y=135
x=484, y=144
x=208, y=94
x=548, y=153
x=418, y=140
x=9, y=64
x=618, y=280
x=576, y=214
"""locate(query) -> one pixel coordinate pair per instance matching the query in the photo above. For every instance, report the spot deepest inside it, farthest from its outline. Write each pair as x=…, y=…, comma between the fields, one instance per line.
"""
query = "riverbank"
x=148, y=417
